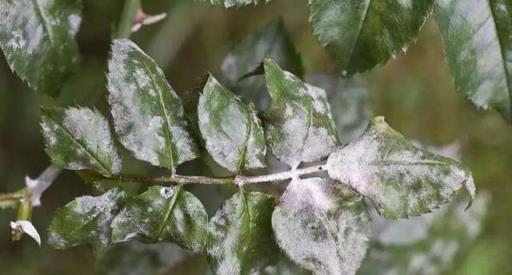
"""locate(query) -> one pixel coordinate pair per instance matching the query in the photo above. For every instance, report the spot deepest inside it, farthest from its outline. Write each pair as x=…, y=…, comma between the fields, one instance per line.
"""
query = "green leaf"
x=234, y=3
x=163, y=214
x=37, y=38
x=86, y=220
x=360, y=34
x=78, y=139
x=298, y=125
x=271, y=41
x=350, y=103
x=139, y=258
x=477, y=38
x=240, y=239
x=400, y=179
x=148, y=115
x=428, y=244
x=320, y=228
x=232, y=130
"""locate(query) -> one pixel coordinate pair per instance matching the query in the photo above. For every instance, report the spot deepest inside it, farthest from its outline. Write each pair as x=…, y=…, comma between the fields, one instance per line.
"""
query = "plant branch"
x=238, y=180
x=130, y=8
x=12, y=196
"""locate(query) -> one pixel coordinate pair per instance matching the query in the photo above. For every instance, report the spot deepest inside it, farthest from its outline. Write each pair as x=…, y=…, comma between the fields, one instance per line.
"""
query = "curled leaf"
x=24, y=227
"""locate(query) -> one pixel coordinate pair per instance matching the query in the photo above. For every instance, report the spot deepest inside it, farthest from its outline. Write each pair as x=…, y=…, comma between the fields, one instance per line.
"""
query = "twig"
x=238, y=180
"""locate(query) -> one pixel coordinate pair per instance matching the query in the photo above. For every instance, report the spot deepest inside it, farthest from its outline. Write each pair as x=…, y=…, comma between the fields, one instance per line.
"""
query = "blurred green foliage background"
x=414, y=92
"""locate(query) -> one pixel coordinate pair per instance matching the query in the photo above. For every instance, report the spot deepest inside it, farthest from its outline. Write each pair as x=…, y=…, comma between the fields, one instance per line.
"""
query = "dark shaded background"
x=414, y=92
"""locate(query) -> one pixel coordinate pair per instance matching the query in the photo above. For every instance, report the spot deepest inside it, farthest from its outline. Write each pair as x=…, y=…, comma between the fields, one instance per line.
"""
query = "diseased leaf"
x=78, y=139
x=428, y=244
x=37, y=38
x=232, y=130
x=240, y=239
x=163, y=214
x=320, y=227
x=139, y=258
x=86, y=220
x=234, y=3
x=298, y=125
x=400, y=179
x=350, y=103
x=477, y=38
x=360, y=34
x=272, y=41
x=148, y=115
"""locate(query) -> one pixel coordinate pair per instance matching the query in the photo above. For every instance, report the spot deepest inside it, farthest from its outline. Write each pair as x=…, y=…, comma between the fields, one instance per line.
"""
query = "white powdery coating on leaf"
x=148, y=115
x=93, y=130
x=373, y=168
x=139, y=130
x=227, y=217
x=98, y=210
x=256, y=146
x=226, y=138
x=230, y=128
x=307, y=129
x=315, y=234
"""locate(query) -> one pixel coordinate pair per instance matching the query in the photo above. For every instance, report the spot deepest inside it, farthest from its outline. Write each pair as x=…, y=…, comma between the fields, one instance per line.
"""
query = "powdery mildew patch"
x=318, y=230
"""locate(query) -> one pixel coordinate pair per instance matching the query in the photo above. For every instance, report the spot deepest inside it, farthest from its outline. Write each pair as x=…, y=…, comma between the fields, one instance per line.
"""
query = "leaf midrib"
x=104, y=167
x=164, y=110
x=358, y=36
x=45, y=24
x=502, y=54
x=170, y=209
